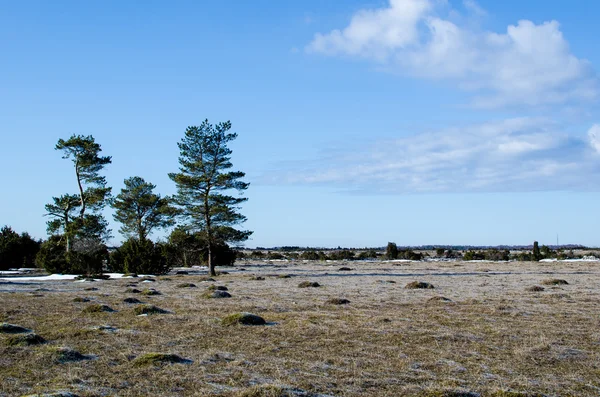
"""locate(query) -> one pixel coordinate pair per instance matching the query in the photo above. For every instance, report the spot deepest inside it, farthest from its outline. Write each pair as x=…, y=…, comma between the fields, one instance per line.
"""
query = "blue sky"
x=359, y=122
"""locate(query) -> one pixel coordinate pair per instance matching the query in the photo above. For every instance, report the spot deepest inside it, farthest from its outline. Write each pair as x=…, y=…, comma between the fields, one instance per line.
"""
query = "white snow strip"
x=54, y=277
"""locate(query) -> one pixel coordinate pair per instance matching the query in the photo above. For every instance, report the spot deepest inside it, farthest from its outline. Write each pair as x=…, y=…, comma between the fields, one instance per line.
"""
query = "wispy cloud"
x=528, y=64
x=521, y=154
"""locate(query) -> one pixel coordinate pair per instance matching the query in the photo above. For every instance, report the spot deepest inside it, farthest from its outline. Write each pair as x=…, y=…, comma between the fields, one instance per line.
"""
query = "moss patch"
x=148, y=309
x=555, y=281
x=535, y=288
x=159, y=359
x=338, y=301
x=216, y=294
x=97, y=308
x=132, y=300
x=244, y=319
x=80, y=299
x=439, y=299
x=25, y=340
x=309, y=284
x=53, y=394
x=150, y=292
x=419, y=285
x=66, y=354
x=217, y=288
x=6, y=328
x=186, y=285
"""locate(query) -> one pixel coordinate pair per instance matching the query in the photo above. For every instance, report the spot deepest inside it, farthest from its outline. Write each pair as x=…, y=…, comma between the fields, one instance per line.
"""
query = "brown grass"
x=493, y=339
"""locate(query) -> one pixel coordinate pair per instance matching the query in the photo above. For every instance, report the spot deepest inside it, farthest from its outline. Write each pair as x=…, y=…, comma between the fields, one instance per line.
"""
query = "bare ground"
x=493, y=337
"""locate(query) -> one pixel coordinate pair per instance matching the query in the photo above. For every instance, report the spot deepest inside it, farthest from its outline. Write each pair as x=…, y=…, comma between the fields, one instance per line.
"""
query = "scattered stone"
x=159, y=359
x=284, y=276
x=131, y=285
x=243, y=318
x=80, y=299
x=217, y=294
x=132, y=300
x=97, y=308
x=90, y=289
x=150, y=292
x=132, y=275
x=309, y=284
x=6, y=328
x=222, y=273
x=257, y=278
x=207, y=279
x=181, y=272
x=25, y=340
x=133, y=291
x=439, y=299
x=217, y=288
x=419, y=285
x=148, y=310
x=555, y=281
x=186, y=285
x=54, y=394
x=535, y=288
x=338, y=301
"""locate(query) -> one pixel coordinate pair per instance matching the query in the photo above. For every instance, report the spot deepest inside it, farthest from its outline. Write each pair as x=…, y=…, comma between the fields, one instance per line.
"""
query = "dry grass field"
x=492, y=335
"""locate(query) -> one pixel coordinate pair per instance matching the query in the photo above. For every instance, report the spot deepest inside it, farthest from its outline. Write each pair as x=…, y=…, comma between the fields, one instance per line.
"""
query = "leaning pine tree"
x=204, y=182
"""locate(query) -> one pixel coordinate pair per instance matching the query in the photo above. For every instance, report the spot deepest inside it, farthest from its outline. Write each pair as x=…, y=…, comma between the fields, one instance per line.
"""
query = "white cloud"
x=594, y=136
x=521, y=154
x=528, y=64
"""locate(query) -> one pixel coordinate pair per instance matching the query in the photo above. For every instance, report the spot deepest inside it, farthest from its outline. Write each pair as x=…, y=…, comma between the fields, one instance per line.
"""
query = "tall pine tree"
x=204, y=183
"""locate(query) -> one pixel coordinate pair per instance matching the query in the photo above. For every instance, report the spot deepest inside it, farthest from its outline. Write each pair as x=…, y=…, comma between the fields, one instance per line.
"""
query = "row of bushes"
x=134, y=256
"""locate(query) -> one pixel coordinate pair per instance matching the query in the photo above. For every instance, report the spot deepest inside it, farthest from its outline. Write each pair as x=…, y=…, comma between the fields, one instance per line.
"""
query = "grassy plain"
x=493, y=335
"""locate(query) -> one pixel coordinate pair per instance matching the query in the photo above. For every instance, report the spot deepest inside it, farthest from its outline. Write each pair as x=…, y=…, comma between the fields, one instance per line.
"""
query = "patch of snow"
x=42, y=278
x=10, y=272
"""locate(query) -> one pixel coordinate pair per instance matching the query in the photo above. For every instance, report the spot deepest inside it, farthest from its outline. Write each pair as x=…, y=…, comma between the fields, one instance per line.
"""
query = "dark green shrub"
x=52, y=255
x=140, y=257
x=536, y=254
x=370, y=254
x=17, y=250
x=275, y=256
x=473, y=255
x=87, y=257
x=391, y=251
x=343, y=255
x=310, y=256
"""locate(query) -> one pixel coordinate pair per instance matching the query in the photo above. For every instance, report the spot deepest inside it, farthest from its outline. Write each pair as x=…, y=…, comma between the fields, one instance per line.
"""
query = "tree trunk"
x=211, y=266
x=82, y=199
